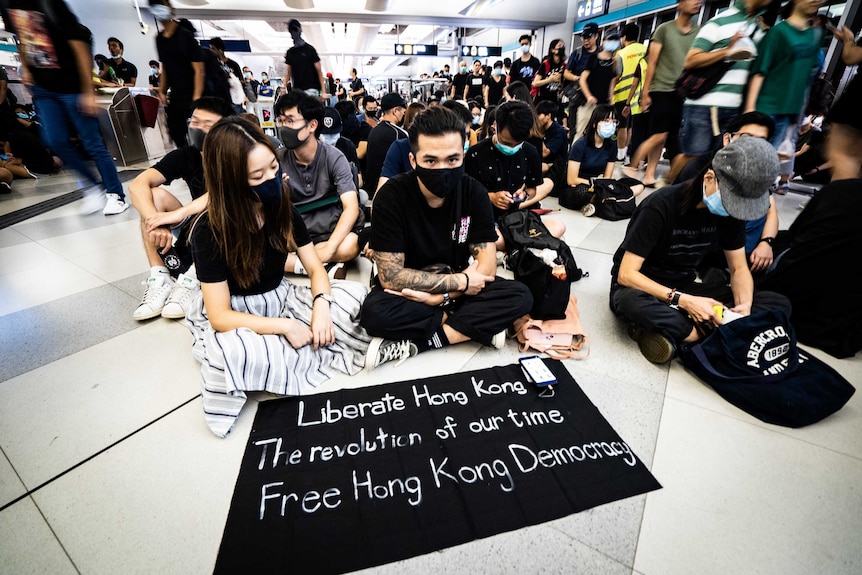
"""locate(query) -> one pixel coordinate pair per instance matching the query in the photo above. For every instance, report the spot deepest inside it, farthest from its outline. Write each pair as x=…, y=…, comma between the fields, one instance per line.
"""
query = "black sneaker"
x=5, y=188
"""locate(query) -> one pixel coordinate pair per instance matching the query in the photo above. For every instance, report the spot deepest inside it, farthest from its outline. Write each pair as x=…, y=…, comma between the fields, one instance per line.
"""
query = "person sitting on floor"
x=508, y=166
x=246, y=309
x=821, y=245
x=164, y=218
x=593, y=154
x=653, y=285
x=320, y=181
x=428, y=223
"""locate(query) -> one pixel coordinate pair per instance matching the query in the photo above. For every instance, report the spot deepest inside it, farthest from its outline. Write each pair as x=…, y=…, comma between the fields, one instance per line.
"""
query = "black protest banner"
x=345, y=480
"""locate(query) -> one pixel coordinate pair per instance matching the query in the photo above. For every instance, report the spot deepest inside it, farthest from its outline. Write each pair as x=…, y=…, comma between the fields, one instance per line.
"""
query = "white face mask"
x=525, y=49
x=611, y=45
x=330, y=139
x=160, y=12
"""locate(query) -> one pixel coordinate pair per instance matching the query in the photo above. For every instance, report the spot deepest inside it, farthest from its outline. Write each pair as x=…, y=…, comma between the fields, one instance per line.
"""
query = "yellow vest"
x=631, y=55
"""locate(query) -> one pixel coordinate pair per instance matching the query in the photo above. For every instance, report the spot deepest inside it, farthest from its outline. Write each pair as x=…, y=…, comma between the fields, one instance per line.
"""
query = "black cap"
x=331, y=121
x=294, y=25
x=391, y=100
x=590, y=30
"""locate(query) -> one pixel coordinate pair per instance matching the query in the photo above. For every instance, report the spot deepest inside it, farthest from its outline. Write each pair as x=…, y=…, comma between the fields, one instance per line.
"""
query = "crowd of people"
x=419, y=187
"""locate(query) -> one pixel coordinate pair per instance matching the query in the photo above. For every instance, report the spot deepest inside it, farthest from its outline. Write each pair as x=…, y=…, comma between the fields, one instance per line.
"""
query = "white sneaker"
x=181, y=295
x=382, y=350
x=589, y=209
x=114, y=205
x=499, y=340
x=158, y=290
x=93, y=202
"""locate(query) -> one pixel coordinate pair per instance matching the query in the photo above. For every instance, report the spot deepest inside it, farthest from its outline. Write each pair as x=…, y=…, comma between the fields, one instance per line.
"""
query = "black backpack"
x=550, y=286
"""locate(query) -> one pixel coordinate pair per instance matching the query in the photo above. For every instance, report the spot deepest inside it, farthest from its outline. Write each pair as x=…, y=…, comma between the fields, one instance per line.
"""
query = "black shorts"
x=665, y=112
x=624, y=121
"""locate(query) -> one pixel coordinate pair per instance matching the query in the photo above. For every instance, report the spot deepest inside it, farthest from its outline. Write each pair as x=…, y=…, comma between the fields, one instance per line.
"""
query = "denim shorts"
x=697, y=134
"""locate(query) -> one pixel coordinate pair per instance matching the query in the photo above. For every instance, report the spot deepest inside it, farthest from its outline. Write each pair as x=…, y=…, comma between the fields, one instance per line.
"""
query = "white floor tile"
x=94, y=398
x=41, y=284
x=156, y=503
x=26, y=256
x=97, y=239
x=116, y=262
x=27, y=545
x=839, y=432
x=10, y=486
x=738, y=498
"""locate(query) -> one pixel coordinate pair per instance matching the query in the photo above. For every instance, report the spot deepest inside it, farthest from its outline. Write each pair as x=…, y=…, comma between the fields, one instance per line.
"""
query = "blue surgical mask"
x=611, y=45
x=269, y=192
x=525, y=49
x=606, y=129
x=160, y=12
x=330, y=139
x=713, y=203
x=463, y=69
x=497, y=71
x=154, y=71
x=475, y=120
x=507, y=150
x=246, y=75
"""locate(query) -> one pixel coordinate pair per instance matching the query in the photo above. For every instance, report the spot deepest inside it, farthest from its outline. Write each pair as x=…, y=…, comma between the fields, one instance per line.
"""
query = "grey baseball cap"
x=746, y=169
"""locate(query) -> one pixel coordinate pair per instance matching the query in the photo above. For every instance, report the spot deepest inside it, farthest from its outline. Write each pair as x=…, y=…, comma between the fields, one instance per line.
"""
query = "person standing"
x=788, y=60
x=476, y=82
x=56, y=64
x=629, y=58
x=155, y=74
x=524, y=68
x=357, y=89
x=459, y=83
x=597, y=81
x=575, y=66
x=381, y=137
x=667, y=49
x=182, y=70
x=704, y=119
x=548, y=80
x=303, y=65
x=493, y=91
x=125, y=70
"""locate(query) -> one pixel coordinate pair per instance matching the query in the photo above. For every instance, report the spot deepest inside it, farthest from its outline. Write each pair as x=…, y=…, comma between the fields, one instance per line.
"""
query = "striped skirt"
x=241, y=360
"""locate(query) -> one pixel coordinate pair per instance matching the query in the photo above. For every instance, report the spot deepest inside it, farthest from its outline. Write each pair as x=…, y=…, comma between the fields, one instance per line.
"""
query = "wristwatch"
x=767, y=240
x=324, y=296
x=446, y=300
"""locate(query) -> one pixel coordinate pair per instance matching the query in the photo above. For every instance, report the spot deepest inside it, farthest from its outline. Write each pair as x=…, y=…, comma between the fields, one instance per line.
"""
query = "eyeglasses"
x=289, y=122
x=739, y=135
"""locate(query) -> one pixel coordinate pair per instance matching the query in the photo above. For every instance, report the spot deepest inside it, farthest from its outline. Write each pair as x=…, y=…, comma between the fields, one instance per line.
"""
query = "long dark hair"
x=240, y=235
x=550, y=56
x=693, y=191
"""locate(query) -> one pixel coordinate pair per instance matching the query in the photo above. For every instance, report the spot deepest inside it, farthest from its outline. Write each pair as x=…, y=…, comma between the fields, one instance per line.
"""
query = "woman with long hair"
x=549, y=77
x=253, y=329
x=593, y=154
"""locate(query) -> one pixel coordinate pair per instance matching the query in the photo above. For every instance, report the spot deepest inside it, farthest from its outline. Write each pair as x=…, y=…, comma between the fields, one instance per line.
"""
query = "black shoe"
x=5, y=188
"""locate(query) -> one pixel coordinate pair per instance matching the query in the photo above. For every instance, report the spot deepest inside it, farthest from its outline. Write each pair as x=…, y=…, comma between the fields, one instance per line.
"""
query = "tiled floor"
x=107, y=466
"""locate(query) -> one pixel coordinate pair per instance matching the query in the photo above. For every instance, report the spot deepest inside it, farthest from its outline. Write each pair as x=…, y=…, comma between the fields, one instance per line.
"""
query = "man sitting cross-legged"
x=321, y=183
x=427, y=225
x=163, y=216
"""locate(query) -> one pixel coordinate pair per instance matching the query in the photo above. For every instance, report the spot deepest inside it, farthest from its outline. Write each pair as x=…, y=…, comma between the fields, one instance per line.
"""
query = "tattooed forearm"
x=393, y=275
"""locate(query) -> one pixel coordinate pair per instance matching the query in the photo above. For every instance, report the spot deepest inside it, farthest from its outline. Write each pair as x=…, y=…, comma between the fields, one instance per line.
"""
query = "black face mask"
x=371, y=113
x=440, y=182
x=196, y=138
x=269, y=192
x=290, y=137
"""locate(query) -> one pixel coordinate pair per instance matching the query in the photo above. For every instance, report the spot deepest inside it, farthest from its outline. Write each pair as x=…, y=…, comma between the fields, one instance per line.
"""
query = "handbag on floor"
x=556, y=338
x=755, y=364
x=613, y=199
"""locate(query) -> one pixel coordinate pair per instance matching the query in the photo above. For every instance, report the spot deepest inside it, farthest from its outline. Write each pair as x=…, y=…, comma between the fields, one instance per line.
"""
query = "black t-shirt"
x=524, y=71
x=45, y=37
x=674, y=244
x=125, y=71
x=303, y=72
x=185, y=163
x=177, y=54
x=405, y=223
x=459, y=81
x=556, y=141
x=346, y=147
x=212, y=267
x=602, y=72
x=578, y=61
x=475, y=84
x=549, y=91
x=495, y=90
x=355, y=86
x=593, y=161
x=216, y=81
x=379, y=140
x=498, y=172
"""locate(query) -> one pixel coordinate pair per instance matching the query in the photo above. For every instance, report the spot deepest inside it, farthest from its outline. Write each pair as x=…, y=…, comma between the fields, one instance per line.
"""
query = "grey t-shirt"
x=315, y=189
x=674, y=46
